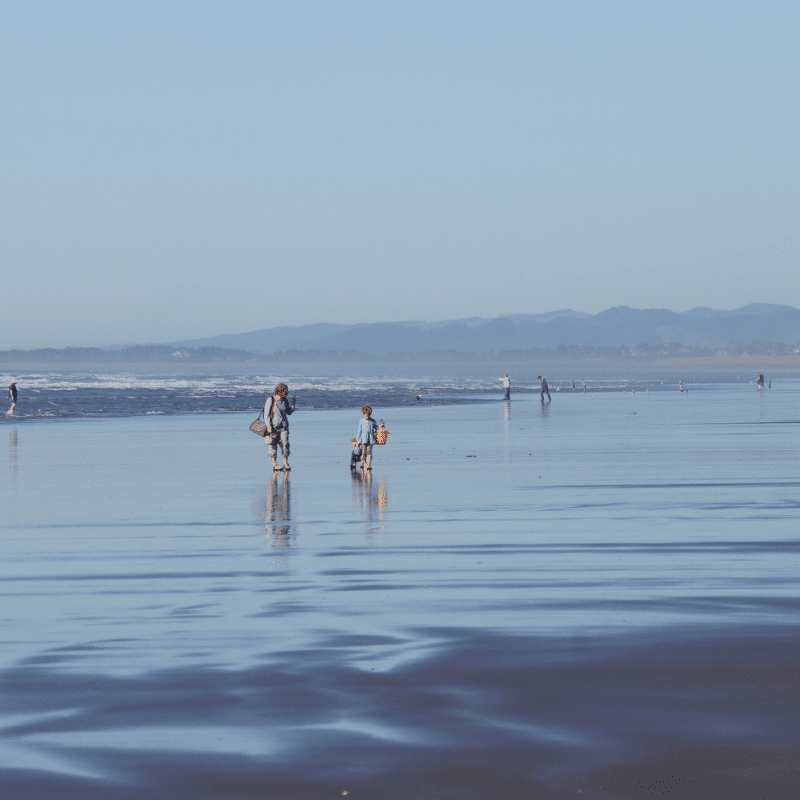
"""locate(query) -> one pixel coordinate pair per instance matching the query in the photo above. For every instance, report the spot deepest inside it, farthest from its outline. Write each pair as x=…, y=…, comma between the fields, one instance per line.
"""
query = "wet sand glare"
x=595, y=598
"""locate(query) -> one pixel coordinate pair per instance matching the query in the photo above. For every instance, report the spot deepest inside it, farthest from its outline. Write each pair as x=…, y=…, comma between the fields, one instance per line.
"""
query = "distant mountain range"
x=620, y=326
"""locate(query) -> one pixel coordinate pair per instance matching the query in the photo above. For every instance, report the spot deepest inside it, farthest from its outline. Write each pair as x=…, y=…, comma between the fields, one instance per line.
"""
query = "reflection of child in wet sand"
x=355, y=456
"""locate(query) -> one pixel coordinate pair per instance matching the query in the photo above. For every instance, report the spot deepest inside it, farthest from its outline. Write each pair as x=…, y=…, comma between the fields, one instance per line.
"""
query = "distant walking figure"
x=760, y=381
x=276, y=415
x=544, y=388
x=506, y=386
x=12, y=393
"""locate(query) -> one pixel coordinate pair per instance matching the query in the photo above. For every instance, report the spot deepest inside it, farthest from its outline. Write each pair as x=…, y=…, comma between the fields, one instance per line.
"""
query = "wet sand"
x=597, y=598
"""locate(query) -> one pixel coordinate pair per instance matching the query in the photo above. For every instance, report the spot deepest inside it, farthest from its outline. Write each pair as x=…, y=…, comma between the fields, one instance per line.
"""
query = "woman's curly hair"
x=281, y=390
x=366, y=410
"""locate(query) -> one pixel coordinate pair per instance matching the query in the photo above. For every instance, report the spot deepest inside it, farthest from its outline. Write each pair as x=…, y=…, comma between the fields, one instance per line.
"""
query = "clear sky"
x=173, y=170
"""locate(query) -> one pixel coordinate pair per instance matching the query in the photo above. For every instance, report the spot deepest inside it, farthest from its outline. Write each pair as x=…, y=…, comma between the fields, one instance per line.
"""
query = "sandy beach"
x=592, y=598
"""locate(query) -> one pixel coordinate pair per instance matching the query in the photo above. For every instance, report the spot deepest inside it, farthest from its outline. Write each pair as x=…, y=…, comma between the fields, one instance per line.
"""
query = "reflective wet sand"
x=594, y=598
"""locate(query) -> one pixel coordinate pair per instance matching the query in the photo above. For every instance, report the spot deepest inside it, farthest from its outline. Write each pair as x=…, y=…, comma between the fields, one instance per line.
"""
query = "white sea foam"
x=228, y=384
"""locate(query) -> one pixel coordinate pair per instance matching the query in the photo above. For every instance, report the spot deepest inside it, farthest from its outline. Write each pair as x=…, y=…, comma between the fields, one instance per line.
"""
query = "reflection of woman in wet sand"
x=278, y=510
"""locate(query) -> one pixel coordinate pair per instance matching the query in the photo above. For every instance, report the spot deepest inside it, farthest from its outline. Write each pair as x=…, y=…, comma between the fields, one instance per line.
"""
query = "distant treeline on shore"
x=127, y=355
x=161, y=354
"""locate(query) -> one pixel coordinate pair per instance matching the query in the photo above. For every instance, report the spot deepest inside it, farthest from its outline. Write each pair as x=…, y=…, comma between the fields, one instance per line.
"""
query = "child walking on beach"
x=366, y=436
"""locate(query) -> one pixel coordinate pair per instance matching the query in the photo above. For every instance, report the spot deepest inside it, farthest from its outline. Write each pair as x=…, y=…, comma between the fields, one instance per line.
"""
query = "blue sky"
x=175, y=170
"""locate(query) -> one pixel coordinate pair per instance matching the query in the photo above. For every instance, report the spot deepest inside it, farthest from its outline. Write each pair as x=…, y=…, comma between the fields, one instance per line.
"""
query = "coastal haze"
x=620, y=344
x=620, y=326
x=757, y=326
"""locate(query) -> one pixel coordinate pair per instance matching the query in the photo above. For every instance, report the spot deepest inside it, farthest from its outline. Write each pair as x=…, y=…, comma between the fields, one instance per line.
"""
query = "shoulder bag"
x=258, y=425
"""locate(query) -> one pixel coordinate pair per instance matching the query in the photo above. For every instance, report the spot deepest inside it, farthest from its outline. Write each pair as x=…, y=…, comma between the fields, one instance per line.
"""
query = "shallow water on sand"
x=590, y=598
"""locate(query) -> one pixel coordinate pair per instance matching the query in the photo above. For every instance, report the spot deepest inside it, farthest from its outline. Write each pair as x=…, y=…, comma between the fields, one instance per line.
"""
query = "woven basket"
x=380, y=436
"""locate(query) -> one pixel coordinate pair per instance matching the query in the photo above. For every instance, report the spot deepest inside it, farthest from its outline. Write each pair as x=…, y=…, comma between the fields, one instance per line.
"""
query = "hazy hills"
x=647, y=336
x=620, y=326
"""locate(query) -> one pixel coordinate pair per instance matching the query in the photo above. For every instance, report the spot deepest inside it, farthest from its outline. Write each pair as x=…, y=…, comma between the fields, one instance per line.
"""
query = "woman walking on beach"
x=366, y=436
x=276, y=415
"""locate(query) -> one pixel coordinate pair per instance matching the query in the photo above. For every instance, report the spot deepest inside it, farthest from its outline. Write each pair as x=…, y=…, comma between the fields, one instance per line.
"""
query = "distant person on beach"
x=355, y=456
x=366, y=436
x=544, y=387
x=276, y=415
x=506, y=386
x=12, y=393
x=760, y=381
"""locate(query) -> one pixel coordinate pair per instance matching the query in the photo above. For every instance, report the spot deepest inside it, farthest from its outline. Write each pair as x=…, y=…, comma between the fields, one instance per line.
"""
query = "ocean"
x=74, y=394
x=595, y=597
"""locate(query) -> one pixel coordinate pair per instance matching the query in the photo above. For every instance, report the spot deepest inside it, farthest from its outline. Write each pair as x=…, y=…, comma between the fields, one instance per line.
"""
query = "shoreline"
x=58, y=397
x=466, y=367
